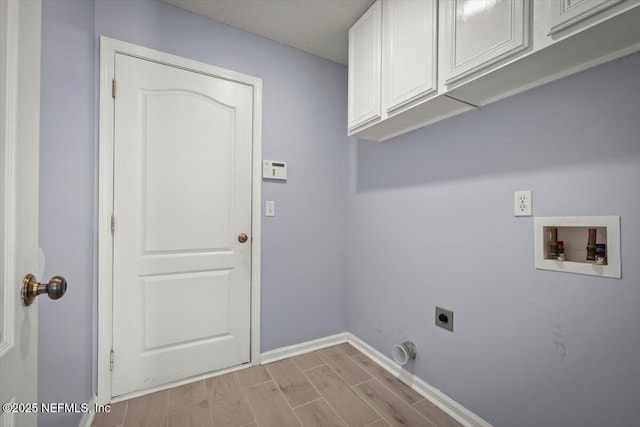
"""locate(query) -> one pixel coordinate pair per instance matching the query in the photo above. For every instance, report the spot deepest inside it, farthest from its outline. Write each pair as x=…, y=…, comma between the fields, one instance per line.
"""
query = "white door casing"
x=184, y=290
x=19, y=165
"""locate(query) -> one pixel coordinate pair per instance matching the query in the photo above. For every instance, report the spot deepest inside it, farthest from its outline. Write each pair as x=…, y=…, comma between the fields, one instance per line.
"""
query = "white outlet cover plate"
x=522, y=203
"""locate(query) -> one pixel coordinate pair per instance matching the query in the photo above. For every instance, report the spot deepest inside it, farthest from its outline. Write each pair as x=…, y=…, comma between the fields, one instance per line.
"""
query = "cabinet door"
x=479, y=33
x=364, y=67
x=409, y=51
x=565, y=13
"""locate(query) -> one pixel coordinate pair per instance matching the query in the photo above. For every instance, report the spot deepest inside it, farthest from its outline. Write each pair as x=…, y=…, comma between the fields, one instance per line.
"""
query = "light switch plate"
x=269, y=208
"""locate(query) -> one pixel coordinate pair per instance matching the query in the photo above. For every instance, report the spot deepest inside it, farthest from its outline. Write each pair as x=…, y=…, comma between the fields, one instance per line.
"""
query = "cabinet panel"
x=409, y=51
x=479, y=33
x=565, y=13
x=364, y=67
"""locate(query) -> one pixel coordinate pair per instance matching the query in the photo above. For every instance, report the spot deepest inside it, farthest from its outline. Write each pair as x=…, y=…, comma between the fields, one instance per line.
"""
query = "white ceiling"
x=315, y=26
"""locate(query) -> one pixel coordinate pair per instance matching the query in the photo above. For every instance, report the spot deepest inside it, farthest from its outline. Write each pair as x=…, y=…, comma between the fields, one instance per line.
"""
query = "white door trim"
x=108, y=49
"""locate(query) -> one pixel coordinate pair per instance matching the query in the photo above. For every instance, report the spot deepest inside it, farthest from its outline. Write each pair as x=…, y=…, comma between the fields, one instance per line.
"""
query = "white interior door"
x=19, y=164
x=182, y=201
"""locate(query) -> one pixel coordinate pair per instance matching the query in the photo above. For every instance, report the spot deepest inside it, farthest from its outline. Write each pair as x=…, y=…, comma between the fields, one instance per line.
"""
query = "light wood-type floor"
x=336, y=386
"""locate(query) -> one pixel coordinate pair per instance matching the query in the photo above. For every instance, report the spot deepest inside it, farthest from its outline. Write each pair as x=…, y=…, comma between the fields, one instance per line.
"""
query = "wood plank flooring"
x=334, y=387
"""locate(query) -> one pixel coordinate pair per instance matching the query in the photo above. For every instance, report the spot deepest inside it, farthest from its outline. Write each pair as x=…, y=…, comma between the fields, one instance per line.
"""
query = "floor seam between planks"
x=355, y=392
x=318, y=391
x=307, y=403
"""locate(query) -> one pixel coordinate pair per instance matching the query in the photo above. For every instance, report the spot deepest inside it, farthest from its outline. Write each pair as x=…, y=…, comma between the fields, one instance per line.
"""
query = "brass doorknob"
x=242, y=237
x=56, y=288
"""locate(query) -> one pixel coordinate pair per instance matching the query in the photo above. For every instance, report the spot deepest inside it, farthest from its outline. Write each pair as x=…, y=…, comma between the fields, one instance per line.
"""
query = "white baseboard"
x=305, y=347
x=441, y=400
x=266, y=357
x=438, y=398
x=87, y=417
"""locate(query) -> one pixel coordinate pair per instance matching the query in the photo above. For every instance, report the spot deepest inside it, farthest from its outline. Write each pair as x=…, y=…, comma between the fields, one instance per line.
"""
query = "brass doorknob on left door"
x=242, y=237
x=56, y=288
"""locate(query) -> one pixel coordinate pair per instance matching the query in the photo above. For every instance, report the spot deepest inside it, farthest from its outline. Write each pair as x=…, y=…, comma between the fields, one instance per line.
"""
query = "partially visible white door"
x=182, y=217
x=19, y=164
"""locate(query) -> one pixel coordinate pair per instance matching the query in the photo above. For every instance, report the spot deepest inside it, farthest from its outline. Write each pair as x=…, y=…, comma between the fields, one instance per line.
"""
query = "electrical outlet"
x=522, y=203
x=444, y=318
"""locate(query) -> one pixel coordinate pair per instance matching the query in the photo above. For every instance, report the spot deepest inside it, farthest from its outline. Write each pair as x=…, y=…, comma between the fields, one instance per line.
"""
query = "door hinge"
x=113, y=88
x=113, y=224
x=111, y=359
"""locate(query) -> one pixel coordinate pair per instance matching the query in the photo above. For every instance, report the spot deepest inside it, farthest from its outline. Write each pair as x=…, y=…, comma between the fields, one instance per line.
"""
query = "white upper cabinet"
x=364, y=67
x=409, y=51
x=416, y=62
x=566, y=13
x=479, y=33
x=395, y=88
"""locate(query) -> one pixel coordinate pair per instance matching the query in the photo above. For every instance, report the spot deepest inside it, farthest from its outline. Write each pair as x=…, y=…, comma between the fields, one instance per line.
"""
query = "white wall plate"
x=610, y=231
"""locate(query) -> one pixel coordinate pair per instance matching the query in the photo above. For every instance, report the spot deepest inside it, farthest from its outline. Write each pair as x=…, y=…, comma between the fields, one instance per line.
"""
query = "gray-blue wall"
x=431, y=223
x=304, y=109
x=67, y=214
x=428, y=216
x=303, y=246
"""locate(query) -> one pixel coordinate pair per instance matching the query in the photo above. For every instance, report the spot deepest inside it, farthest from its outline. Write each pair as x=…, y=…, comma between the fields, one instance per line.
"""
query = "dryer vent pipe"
x=403, y=352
